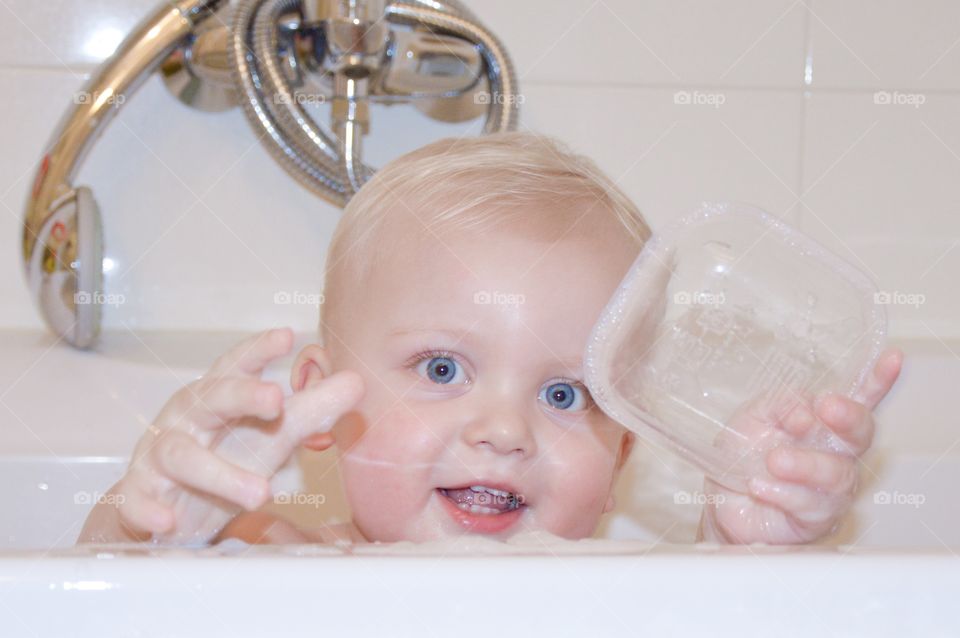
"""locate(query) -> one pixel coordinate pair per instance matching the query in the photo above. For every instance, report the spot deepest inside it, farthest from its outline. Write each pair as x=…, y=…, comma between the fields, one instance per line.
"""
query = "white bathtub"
x=67, y=420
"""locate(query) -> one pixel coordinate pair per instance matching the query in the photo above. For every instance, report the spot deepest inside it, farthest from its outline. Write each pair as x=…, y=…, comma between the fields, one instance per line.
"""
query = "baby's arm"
x=214, y=446
x=812, y=488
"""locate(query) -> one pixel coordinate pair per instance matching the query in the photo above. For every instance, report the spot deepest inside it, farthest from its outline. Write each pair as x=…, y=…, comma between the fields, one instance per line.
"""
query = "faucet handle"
x=316, y=11
x=65, y=271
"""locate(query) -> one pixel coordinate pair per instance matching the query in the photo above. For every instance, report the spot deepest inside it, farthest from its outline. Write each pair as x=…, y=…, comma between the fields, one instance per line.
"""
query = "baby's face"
x=470, y=347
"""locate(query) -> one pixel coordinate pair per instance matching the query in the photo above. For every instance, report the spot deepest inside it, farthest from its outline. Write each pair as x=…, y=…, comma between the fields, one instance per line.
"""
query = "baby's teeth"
x=484, y=488
x=477, y=509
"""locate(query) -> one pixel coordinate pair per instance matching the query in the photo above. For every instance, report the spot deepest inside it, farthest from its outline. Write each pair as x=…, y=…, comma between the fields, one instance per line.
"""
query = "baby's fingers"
x=818, y=470
x=251, y=356
x=787, y=496
x=881, y=378
x=211, y=403
x=851, y=421
x=317, y=407
x=140, y=513
x=801, y=503
x=183, y=460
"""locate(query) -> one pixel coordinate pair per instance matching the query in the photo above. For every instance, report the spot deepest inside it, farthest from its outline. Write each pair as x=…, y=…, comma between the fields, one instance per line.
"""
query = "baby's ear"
x=623, y=453
x=311, y=365
x=626, y=447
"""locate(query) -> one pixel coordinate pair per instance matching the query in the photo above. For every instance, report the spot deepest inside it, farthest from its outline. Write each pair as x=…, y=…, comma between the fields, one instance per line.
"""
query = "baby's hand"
x=812, y=487
x=214, y=446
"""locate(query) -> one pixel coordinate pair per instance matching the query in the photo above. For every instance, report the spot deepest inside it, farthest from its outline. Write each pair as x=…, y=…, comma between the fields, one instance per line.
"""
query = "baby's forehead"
x=533, y=290
x=412, y=265
x=420, y=258
x=513, y=256
x=418, y=230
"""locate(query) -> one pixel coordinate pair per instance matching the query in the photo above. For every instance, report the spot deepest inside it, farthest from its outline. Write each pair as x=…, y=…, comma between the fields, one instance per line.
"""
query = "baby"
x=462, y=283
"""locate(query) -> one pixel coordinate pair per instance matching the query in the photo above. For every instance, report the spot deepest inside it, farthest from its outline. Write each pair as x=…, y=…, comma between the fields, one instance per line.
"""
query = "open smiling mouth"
x=480, y=499
x=482, y=508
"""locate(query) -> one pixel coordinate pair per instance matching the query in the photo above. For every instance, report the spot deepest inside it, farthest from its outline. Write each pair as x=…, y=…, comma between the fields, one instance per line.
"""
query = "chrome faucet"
x=274, y=58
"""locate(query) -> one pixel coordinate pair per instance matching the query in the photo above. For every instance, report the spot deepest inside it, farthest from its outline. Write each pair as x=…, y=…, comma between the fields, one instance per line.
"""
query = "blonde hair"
x=467, y=184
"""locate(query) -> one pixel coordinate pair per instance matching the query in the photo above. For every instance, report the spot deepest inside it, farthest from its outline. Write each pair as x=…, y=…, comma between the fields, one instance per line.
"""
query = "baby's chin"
x=437, y=539
x=441, y=520
x=434, y=532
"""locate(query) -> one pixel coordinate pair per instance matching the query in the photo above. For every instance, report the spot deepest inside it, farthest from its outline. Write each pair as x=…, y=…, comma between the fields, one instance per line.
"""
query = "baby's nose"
x=504, y=433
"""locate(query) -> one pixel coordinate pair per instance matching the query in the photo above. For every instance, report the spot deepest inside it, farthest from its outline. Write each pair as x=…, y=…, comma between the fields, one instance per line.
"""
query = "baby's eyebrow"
x=457, y=334
x=572, y=364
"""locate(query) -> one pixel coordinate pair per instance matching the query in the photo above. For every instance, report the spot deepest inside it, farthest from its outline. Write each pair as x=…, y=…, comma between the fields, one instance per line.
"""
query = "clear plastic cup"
x=727, y=320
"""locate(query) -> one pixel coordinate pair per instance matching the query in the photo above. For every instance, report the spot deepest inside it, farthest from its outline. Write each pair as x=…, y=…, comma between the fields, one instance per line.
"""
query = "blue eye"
x=564, y=396
x=440, y=370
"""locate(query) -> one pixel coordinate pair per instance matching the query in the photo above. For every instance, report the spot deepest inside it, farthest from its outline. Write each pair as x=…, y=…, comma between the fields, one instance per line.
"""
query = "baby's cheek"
x=386, y=474
x=582, y=473
x=398, y=437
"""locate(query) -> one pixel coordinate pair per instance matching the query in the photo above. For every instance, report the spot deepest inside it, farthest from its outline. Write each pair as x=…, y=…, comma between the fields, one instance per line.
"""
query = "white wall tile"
x=881, y=189
x=675, y=42
x=65, y=33
x=670, y=156
x=885, y=44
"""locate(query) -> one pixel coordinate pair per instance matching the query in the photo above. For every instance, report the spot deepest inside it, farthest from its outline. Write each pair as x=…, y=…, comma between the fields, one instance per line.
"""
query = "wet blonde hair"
x=472, y=183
